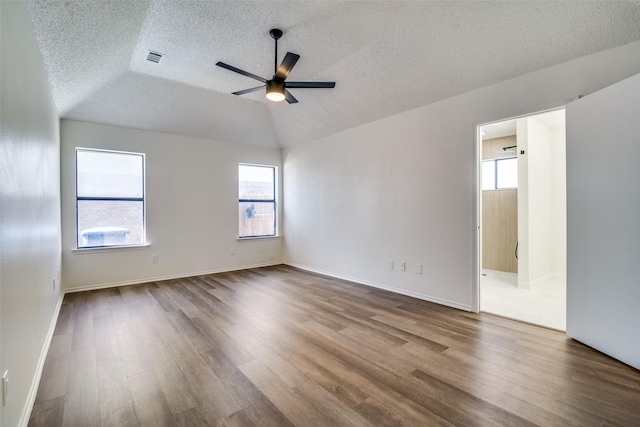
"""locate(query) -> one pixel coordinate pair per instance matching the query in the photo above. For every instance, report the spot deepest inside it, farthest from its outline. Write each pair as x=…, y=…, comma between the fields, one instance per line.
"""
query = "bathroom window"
x=500, y=174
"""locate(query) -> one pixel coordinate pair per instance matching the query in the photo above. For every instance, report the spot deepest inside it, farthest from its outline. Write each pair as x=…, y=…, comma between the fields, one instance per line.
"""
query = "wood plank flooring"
x=278, y=346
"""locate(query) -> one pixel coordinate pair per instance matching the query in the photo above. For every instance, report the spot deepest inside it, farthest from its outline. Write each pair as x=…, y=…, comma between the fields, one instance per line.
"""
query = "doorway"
x=522, y=211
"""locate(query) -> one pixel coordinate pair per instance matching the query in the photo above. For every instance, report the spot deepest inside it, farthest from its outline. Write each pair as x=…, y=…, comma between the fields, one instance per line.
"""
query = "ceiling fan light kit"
x=276, y=88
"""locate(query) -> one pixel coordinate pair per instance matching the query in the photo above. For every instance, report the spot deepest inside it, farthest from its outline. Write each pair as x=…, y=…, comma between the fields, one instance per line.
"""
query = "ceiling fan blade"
x=239, y=71
x=286, y=66
x=301, y=85
x=253, y=89
x=290, y=98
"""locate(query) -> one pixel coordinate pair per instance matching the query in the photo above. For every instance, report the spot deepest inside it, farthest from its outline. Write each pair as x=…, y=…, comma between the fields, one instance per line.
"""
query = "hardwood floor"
x=277, y=346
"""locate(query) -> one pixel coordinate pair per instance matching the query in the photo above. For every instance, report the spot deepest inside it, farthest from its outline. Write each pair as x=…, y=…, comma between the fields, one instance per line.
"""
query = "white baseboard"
x=546, y=278
x=385, y=287
x=35, y=384
x=169, y=277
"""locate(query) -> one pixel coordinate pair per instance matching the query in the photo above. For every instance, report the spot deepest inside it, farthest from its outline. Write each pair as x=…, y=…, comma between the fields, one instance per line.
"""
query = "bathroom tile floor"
x=544, y=304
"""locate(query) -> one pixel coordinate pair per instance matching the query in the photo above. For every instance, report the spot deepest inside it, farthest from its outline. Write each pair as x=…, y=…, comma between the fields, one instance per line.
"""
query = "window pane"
x=257, y=219
x=109, y=223
x=489, y=175
x=507, y=172
x=256, y=182
x=106, y=174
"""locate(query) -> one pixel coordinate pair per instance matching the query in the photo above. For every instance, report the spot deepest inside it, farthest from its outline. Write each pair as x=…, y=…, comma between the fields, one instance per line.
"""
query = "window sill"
x=82, y=251
x=241, y=239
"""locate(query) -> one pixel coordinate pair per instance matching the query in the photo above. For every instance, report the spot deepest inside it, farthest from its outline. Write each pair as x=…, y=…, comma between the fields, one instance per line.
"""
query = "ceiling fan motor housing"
x=275, y=85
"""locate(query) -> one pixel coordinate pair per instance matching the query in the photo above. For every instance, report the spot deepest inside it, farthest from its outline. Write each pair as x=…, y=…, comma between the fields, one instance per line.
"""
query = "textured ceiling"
x=385, y=57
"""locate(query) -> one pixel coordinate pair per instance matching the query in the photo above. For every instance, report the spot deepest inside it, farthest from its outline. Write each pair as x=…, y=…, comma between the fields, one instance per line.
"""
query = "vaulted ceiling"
x=386, y=57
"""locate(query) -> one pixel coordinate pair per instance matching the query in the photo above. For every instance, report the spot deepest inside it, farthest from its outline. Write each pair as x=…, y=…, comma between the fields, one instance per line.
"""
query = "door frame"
x=477, y=297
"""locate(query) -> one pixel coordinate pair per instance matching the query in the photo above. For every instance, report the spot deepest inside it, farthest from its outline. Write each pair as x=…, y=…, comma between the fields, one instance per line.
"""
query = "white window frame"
x=274, y=201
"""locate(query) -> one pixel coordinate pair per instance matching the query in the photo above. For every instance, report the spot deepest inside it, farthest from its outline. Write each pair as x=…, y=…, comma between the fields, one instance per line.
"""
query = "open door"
x=603, y=226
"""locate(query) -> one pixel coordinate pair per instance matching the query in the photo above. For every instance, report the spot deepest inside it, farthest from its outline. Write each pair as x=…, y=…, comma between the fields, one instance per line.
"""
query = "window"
x=109, y=198
x=499, y=174
x=257, y=201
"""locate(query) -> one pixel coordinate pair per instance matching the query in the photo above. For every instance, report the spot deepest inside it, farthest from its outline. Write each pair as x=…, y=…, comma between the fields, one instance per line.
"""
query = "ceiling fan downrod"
x=275, y=34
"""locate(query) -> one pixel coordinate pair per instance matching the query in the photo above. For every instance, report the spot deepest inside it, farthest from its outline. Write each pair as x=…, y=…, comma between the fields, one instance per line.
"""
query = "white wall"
x=534, y=201
x=404, y=187
x=603, y=204
x=541, y=200
x=192, y=208
x=524, y=248
x=29, y=211
x=558, y=203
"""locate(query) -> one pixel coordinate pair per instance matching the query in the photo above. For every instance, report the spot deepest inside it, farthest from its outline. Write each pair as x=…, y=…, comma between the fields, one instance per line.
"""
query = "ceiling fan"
x=277, y=87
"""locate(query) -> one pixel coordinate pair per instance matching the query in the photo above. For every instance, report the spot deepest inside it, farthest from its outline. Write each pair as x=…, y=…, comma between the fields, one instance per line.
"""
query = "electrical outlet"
x=5, y=387
x=403, y=266
x=154, y=259
x=418, y=268
x=390, y=264
x=54, y=283
x=233, y=251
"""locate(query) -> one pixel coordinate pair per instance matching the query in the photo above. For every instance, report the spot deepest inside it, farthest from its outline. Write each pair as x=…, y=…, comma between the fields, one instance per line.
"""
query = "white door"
x=603, y=220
